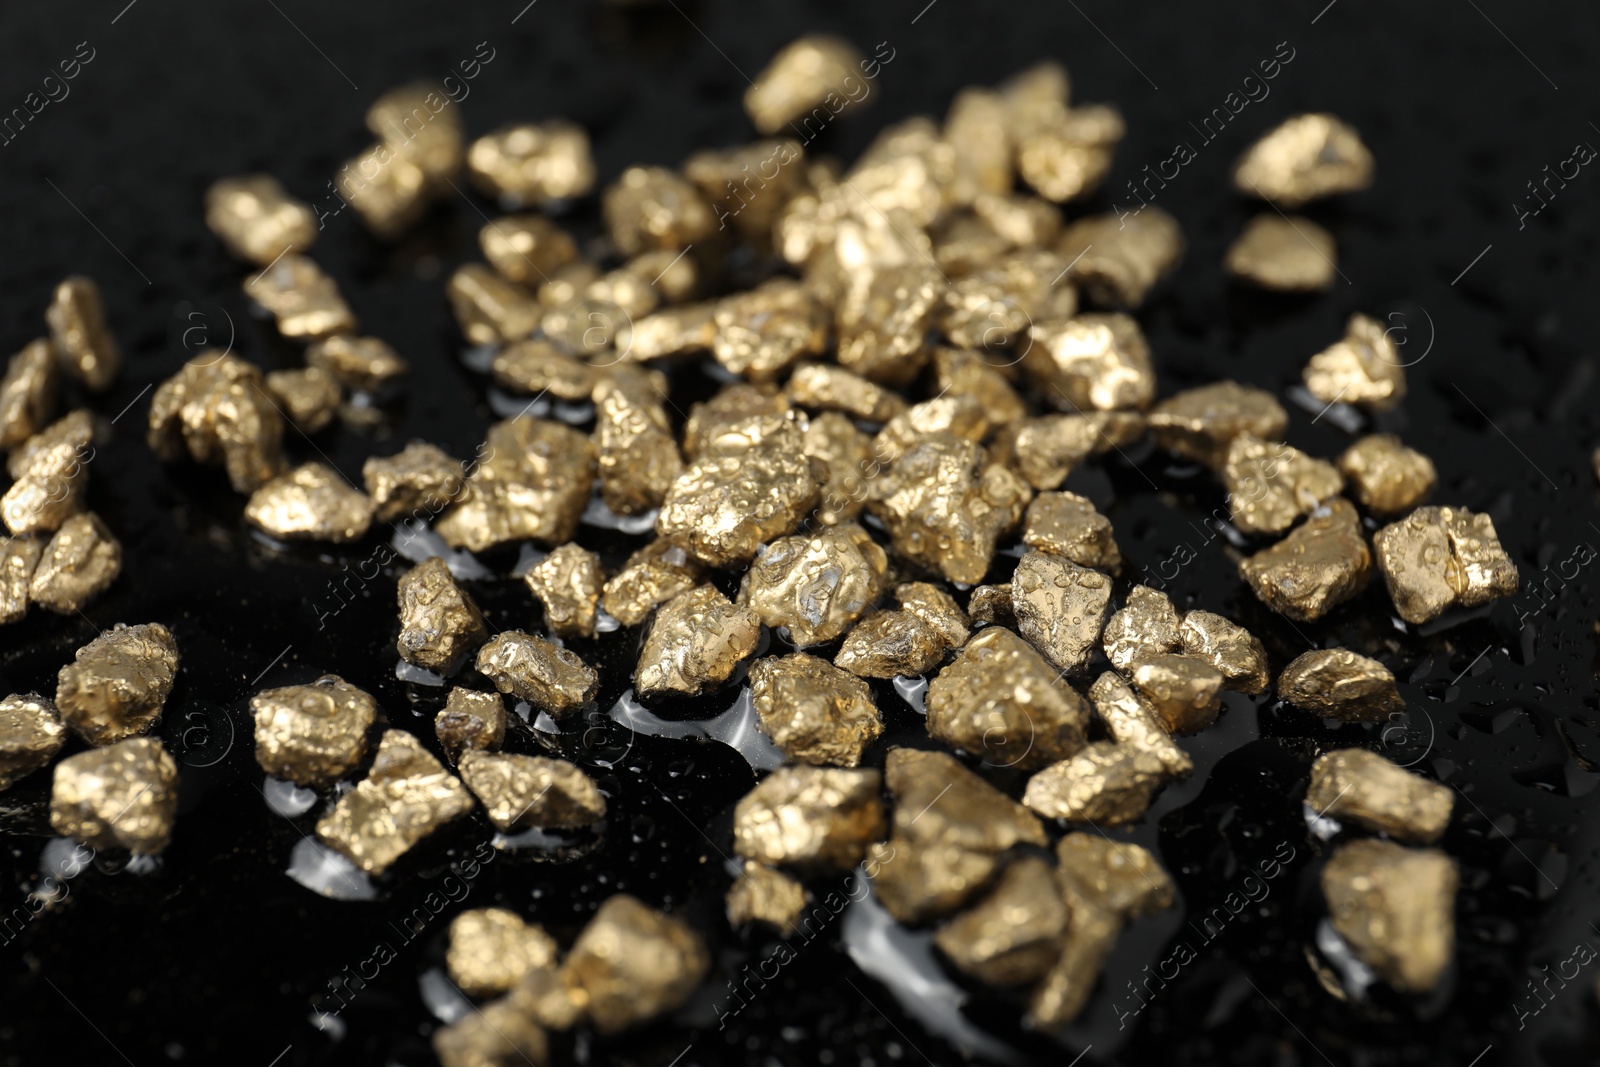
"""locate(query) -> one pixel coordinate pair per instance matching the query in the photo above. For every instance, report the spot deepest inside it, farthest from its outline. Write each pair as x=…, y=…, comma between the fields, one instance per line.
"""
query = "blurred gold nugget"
x=51, y=472
x=1060, y=607
x=217, y=408
x=122, y=796
x=1271, y=484
x=1230, y=648
x=1200, y=424
x=1146, y=626
x=19, y=556
x=257, y=218
x=31, y=733
x=492, y=948
x=417, y=122
x=1068, y=525
x=532, y=484
x=389, y=191
x=814, y=819
x=1091, y=362
x=365, y=363
x=763, y=895
x=83, y=342
x=978, y=127
x=550, y=678
x=533, y=163
x=488, y=308
x=813, y=711
x=439, y=623
x=567, y=584
x=1388, y=478
x=1116, y=261
x=1014, y=934
x=305, y=301
x=1304, y=158
x=1104, y=783
x=526, y=249
x=470, y=720
x=633, y=963
x=1184, y=690
x=80, y=560
x=834, y=440
x=1395, y=907
x=309, y=396
x=312, y=735
x=1365, y=368
x=1361, y=787
x=522, y=791
x=1044, y=449
x=810, y=75
x=1066, y=156
x=1000, y=700
x=638, y=459
x=1339, y=684
x=816, y=586
x=1321, y=564
x=537, y=366
x=652, y=575
x=419, y=480
x=312, y=502
x=825, y=387
x=748, y=185
x=117, y=684
x=695, y=642
x=28, y=392
x=1440, y=558
x=499, y=1034
x=761, y=332
x=650, y=208
x=1287, y=253
x=1131, y=720
x=962, y=373
x=406, y=796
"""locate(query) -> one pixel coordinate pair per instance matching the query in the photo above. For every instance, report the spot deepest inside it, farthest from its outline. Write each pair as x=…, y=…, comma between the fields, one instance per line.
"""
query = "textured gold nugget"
x=531, y=164
x=31, y=734
x=548, y=677
x=962, y=416
x=499, y=1034
x=761, y=332
x=1365, y=368
x=1230, y=648
x=1060, y=607
x=638, y=457
x=51, y=472
x=1116, y=261
x=302, y=298
x=257, y=218
x=633, y=963
x=406, y=796
x=488, y=308
x=1388, y=478
x=312, y=735
x=527, y=249
x=1361, y=787
x=417, y=482
x=1184, y=690
x=523, y=791
x=817, y=586
x=1320, y=565
x=312, y=502
x=19, y=556
x=439, y=623
x=77, y=565
x=1014, y=934
x=1132, y=721
x=567, y=583
x=1287, y=253
x=651, y=208
x=122, y=796
x=1339, y=684
x=1200, y=424
x=532, y=483
x=218, y=408
x=1270, y=484
x=1104, y=783
x=309, y=396
x=695, y=642
x=833, y=439
x=763, y=895
x=1045, y=449
x=1068, y=525
x=1304, y=158
x=1396, y=908
x=492, y=948
x=824, y=387
x=83, y=341
x=811, y=79
x=883, y=318
x=748, y=185
x=118, y=683
x=28, y=392
x=362, y=363
x=470, y=720
x=815, y=819
x=1439, y=558
x=1146, y=626
x=1092, y=363
x=813, y=711
x=653, y=575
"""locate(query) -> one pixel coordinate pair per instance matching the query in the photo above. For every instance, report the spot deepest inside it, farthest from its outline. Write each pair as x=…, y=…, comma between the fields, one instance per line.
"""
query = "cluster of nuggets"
x=854, y=517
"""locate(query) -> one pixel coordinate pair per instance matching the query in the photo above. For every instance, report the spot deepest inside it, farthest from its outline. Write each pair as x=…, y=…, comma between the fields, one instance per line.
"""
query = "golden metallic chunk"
x=883, y=320
x=547, y=676
x=906, y=173
x=971, y=374
x=19, y=557
x=312, y=735
x=548, y=996
x=1060, y=607
x=1105, y=783
x=1440, y=558
x=1060, y=998
x=937, y=608
x=991, y=306
x=1387, y=477
x=1395, y=906
x=406, y=796
x=417, y=122
x=1271, y=484
x=763, y=895
x=1304, y=158
x=1230, y=648
x=28, y=392
x=439, y=623
x=733, y=404
x=51, y=472
x=118, y=683
x=1014, y=934
x=522, y=791
x=122, y=796
x=304, y=300
x=751, y=482
x=1091, y=362
x=218, y=408
x=1000, y=700
x=962, y=416
x=1200, y=424
x=1036, y=96
x=749, y=185
x=362, y=363
x=1361, y=787
x=389, y=192
x=527, y=249
x=695, y=642
x=668, y=333
x=1116, y=261
x=825, y=387
x=78, y=329
x=1364, y=368
x=1068, y=525
x=653, y=575
x=1045, y=449
x=488, y=308
x=1320, y=565
x=1024, y=220
x=308, y=396
x=809, y=81
x=499, y=1034
x=312, y=502
x=650, y=208
x=1184, y=690
x=964, y=247
x=813, y=711
x=1131, y=720
x=1339, y=684
x=1287, y=253
x=537, y=366
x=532, y=164
x=567, y=583
x=78, y=563
x=992, y=604
x=761, y=332
x=532, y=484
x=30, y=736
x=492, y=948
x=814, y=819
x=1147, y=626
x=420, y=481
x=470, y=720
x=257, y=218
x=978, y=126
x=834, y=440
x=637, y=454
x=1068, y=157
x=816, y=586
x=891, y=644
x=632, y=963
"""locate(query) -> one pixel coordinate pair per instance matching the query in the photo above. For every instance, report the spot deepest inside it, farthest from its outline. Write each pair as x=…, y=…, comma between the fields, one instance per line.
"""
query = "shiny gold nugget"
x=19, y=557
x=1116, y=261
x=1320, y=565
x=1230, y=648
x=1304, y=158
x=1067, y=524
x=218, y=408
x=532, y=484
x=527, y=249
x=470, y=720
x=1147, y=626
x=51, y=471
x=650, y=208
x=734, y=404
x=761, y=332
x=1287, y=253
x=122, y=796
x=1131, y=720
x=695, y=642
x=406, y=796
x=1092, y=363
x=1363, y=788
x=360, y=363
x=814, y=712
x=78, y=329
x=1339, y=684
x=1045, y=449
x=77, y=565
x=824, y=387
x=1068, y=157
x=810, y=80
x=763, y=895
x=1388, y=478
x=892, y=644
x=1365, y=368
x=257, y=218
x=1184, y=690
x=883, y=319
x=31, y=734
x=492, y=948
x=961, y=416
x=834, y=440
x=439, y=623
x=499, y=1034
x=815, y=819
x=312, y=735
x=992, y=604
x=522, y=791
x=389, y=191
x=1014, y=934
x=632, y=963
x=1270, y=484
x=548, y=677
x=1395, y=906
x=817, y=586
x=537, y=366
x=420, y=481
x=308, y=396
x=312, y=502
x=653, y=575
x=971, y=374
x=1060, y=607
x=1104, y=783
x=1201, y=423
x=748, y=185
x=416, y=121
x=304, y=300
x=28, y=392
x=567, y=583
x=531, y=164
x=118, y=683
x=638, y=458
x=488, y=308
x=1439, y=558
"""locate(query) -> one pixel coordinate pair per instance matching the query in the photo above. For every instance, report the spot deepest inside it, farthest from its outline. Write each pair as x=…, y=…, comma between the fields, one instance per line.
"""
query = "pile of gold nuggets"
x=935, y=349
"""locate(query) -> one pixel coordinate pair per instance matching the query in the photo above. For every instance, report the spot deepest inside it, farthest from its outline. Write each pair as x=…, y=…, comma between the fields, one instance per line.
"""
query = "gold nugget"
x=1304, y=158
x=257, y=218
x=531, y=164
x=1068, y=525
x=650, y=208
x=308, y=396
x=1104, y=783
x=304, y=300
x=763, y=895
x=567, y=583
x=1339, y=684
x=962, y=416
x=218, y=407
x=537, y=366
x=549, y=677
x=531, y=484
x=1363, y=788
x=78, y=563
x=1091, y=362
x=492, y=948
x=695, y=642
x=526, y=249
x=522, y=791
x=78, y=329
x=1320, y=565
x=19, y=557
x=51, y=472
x=809, y=81
x=1000, y=700
x=817, y=586
x=1184, y=690
x=1147, y=626
x=118, y=683
x=734, y=404
x=1288, y=253
x=499, y=1034
x=1131, y=720
x=1116, y=261
x=637, y=456
x=388, y=191
x=122, y=796
x=1013, y=935
x=489, y=309
x=439, y=623
x=1439, y=558
x=833, y=439
x=1230, y=648
x=815, y=819
x=1045, y=449
x=992, y=604
x=312, y=502
x=1395, y=906
x=470, y=720
x=814, y=712
x=1365, y=368
x=824, y=387
x=30, y=736
x=362, y=363
x=632, y=963
x=1200, y=424
x=312, y=735
x=406, y=796
x=653, y=575
x=1067, y=157
x=418, y=123
x=28, y=392
x=1388, y=478
x=1270, y=485
x=419, y=481
x=883, y=318
x=1060, y=607
x=749, y=185
x=761, y=332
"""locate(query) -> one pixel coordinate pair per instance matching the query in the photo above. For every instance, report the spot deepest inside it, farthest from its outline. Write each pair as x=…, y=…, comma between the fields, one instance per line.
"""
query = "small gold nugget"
x=313, y=502
x=439, y=623
x=19, y=557
x=492, y=948
x=1131, y=720
x=1388, y=478
x=970, y=374
x=257, y=218
x=30, y=736
x=1091, y=362
x=1395, y=906
x=537, y=366
x=1045, y=449
x=637, y=456
x=651, y=208
x=763, y=895
x=28, y=392
x=818, y=586
x=1363, y=788
x=361, y=363
x=748, y=185
x=1339, y=684
x=1230, y=648
x=1270, y=484
x=526, y=249
x=653, y=575
x=962, y=416
x=304, y=300
x=312, y=735
x=1067, y=157
x=813, y=711
x=1365, y=368
x=1320, y=565
x=892, y=644
x=1184, y=690
x=419, y=481
x=1105, y=783
x=406, y=796
x=533, y=164
x=672, y=332
x=308, y=396
x=989, y=308
x=531, y=484
x=550, y=678
x=1117, y=261
x=488, y=308
x=118, y=683
x=992, y=604
x=51, y=472
x=1288, y=253
x=1146, y=626
x=1200, y=424
x=1440, y=558
x=83, y=341
x=1000, y=700
x=810, y=80
x=1060, y=607
x=883, y=319
x=78, y=563
x=1067, y=524
x=1304, y=158
x=218, y=408
x=470, y=720
x=761, y=332
x=499, y=1034
x=389, y=191
x=567, y=583
x=122, y=796
x=815, y=819
x=737, y=403
x=418, y=123
x=695, y=642
x=834, y=440
x=633, y=963
x=824, y=387
x=1013, y=935
x=907, y=172
x=522, y=791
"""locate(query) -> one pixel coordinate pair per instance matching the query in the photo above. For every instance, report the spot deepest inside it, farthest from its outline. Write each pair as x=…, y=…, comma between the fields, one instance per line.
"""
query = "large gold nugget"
x=1320, y=565
x=1060, y=607
x=470, y=720
x=1131, y=720
x=695, y=642
x=1270, y=485
x=406, y=796
x=531, y=164
x=883, y=320
x=815, y=819
x=1105, y=783
x=1184, y=690
x=312, y=502
x=1365, y=368
x=532, y=483
x=1116, y=261
x=567, y=583
x=488, y=308
x=806, y=74
x=1439, y=558
x=30, y=736
x=1147, y=626
x=548, y=677
x=1013, y=935
x=1000, y=700
x=817, y=586
x=1363, y=788
x=304, y=300
x=28, y=392
x=527, y=249
x=312, y=735
x=218, y=408
x=1395, y=906
x=1388, y=478
x=118, y=683
x=763, y=895
x=77, y=565
x=813, y=711
x=1091, y=363
x=1200, y=424
x=1339, y=684
x=632, y=963
x=499, y=1034
x=638, y=456
x=761, y=332
x=1304, y=158
x=420, y=481
x=1286, y=253
x=1230, y=648
x=122, y=796
x=651, y=208
x=492, y=948
x=653, y=575
x=361, y=363
x=439, y=623
x=522, y=791
x=82, y=339
x=257, y=218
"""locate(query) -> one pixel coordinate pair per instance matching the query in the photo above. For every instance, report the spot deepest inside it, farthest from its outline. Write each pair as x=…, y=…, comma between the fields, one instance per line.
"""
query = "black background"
x=212, y=958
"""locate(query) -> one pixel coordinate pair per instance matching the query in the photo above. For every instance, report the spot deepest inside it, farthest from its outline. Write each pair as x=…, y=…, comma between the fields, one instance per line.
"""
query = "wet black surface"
x=217, y=956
